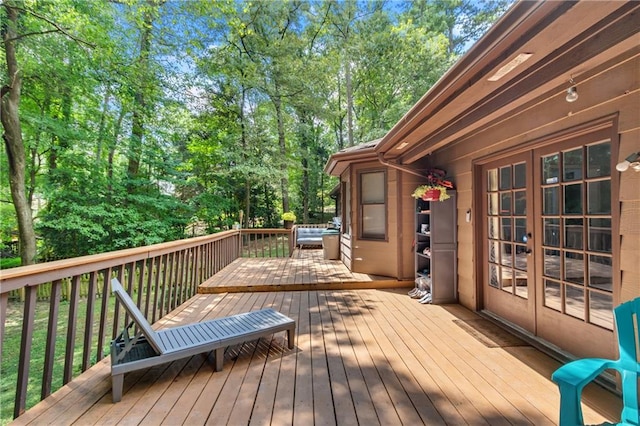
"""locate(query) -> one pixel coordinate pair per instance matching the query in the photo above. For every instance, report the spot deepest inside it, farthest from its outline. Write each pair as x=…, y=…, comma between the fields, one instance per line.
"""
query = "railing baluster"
x=139, y=282
x=30, y=295
x=52, y=331
x=88, y=323
x=71, y=329
x=103, y=313
x=183, y=282
x=156, y=291
x=147, y=301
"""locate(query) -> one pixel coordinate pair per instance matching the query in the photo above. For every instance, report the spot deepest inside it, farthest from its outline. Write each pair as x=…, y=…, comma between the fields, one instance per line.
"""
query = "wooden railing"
x=159, y=278
x=266, y=243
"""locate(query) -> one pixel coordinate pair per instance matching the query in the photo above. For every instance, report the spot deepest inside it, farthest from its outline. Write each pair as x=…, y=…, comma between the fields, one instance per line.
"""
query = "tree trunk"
x=349, y=94
x=139, y=109
x=247, y=183
x=284, y=181
x=112, y=152
x=103, y=125
x=9, y=112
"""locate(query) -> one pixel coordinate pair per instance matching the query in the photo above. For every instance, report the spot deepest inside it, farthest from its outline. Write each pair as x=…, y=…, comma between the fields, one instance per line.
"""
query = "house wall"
x=394, y=256
x=613, y=91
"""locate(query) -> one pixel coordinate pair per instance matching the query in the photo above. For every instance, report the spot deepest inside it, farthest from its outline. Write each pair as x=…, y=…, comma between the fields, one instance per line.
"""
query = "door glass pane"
x=574, y=301
x=574, y=267
x=493, y=276
x=600, y=235
x=492, y=180
x=552, y=293
x=505, y=203
x=572, y=165
x=493, y=251
x=505, y=177
x=519, y=175
x=601, y=309
x=506, y=279
x=552, y=232
x=520, y=203
x=573, y=199
x=573, y=231
x=550, y=201
x=552, y=263
x=599, y=160
x=521, y=231
x=493, y=227
x=521, y=257
x=505, y=254
x=493, y=203
x=550, y=169
x=505, y=229
x=599, y=197
x=600, y=272
x=522, y=289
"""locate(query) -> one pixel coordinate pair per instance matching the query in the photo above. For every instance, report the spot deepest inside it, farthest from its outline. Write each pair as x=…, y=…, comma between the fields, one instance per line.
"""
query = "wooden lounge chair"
x=572, y=377
x=149, y=347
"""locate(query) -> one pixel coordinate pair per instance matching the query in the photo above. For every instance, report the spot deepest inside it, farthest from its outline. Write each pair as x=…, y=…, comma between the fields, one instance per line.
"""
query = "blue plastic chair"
x=572, y=377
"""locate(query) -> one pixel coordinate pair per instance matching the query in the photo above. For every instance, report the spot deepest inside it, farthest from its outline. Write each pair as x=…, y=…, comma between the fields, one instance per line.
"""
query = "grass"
x=9, y=262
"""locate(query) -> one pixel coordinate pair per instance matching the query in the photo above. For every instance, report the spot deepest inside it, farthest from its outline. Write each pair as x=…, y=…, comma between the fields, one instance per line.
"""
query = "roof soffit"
x=558, y=54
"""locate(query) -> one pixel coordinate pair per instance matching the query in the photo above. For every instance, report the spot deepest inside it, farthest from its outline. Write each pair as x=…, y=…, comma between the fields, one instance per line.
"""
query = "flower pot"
x=288, y=224
x=431, y=195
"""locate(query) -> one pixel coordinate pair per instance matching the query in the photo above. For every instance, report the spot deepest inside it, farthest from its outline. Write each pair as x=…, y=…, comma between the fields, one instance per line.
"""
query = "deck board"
x=306, y=269
x=361, y=357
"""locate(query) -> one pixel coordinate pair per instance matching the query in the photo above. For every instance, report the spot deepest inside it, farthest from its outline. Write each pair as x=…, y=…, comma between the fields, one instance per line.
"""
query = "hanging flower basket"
x=431, y=195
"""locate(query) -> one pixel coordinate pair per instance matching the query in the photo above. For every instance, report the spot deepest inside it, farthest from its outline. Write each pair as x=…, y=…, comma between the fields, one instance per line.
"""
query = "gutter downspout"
x=397, y=166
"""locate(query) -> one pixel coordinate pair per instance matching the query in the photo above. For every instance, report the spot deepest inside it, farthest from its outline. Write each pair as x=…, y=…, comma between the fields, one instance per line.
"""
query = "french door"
x=549, y=258
x=509, y=289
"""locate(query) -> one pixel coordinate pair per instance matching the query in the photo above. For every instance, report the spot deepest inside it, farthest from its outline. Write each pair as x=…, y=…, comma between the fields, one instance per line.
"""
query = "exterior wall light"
x=572, y=94
x=632, y=161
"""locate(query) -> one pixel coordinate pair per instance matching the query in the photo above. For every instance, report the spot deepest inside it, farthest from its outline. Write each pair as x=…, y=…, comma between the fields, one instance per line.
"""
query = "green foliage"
x=86, y=214
x=9, y=262
x=144, y=118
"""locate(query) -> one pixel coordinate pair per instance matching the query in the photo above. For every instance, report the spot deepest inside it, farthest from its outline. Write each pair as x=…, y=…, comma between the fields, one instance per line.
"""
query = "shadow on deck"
x=361, y=357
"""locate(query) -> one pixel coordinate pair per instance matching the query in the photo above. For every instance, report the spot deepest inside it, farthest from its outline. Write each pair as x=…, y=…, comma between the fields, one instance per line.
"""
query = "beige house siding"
x=372, y=256
x=613, y=92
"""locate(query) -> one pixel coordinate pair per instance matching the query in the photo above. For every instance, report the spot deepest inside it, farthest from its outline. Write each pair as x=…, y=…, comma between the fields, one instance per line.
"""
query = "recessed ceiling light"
x=402, y=145
x=506, y=69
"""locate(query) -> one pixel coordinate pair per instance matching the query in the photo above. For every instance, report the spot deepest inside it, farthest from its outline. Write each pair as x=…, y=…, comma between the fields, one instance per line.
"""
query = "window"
x=346, y=207
x=373, y=208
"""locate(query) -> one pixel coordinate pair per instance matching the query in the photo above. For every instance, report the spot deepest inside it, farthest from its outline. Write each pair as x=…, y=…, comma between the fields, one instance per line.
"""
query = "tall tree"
x=9, y=112
x=142, y=85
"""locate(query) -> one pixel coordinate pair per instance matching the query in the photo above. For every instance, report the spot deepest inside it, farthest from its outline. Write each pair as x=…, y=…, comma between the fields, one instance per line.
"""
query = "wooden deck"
x=361, y=357
x=306, y=269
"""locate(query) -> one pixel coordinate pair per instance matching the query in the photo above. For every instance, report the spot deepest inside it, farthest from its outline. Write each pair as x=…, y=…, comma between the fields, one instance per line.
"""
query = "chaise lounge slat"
x=149, y=347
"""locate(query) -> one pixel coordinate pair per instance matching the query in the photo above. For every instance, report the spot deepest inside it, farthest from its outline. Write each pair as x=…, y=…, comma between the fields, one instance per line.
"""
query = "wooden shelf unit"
x=441, y=260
